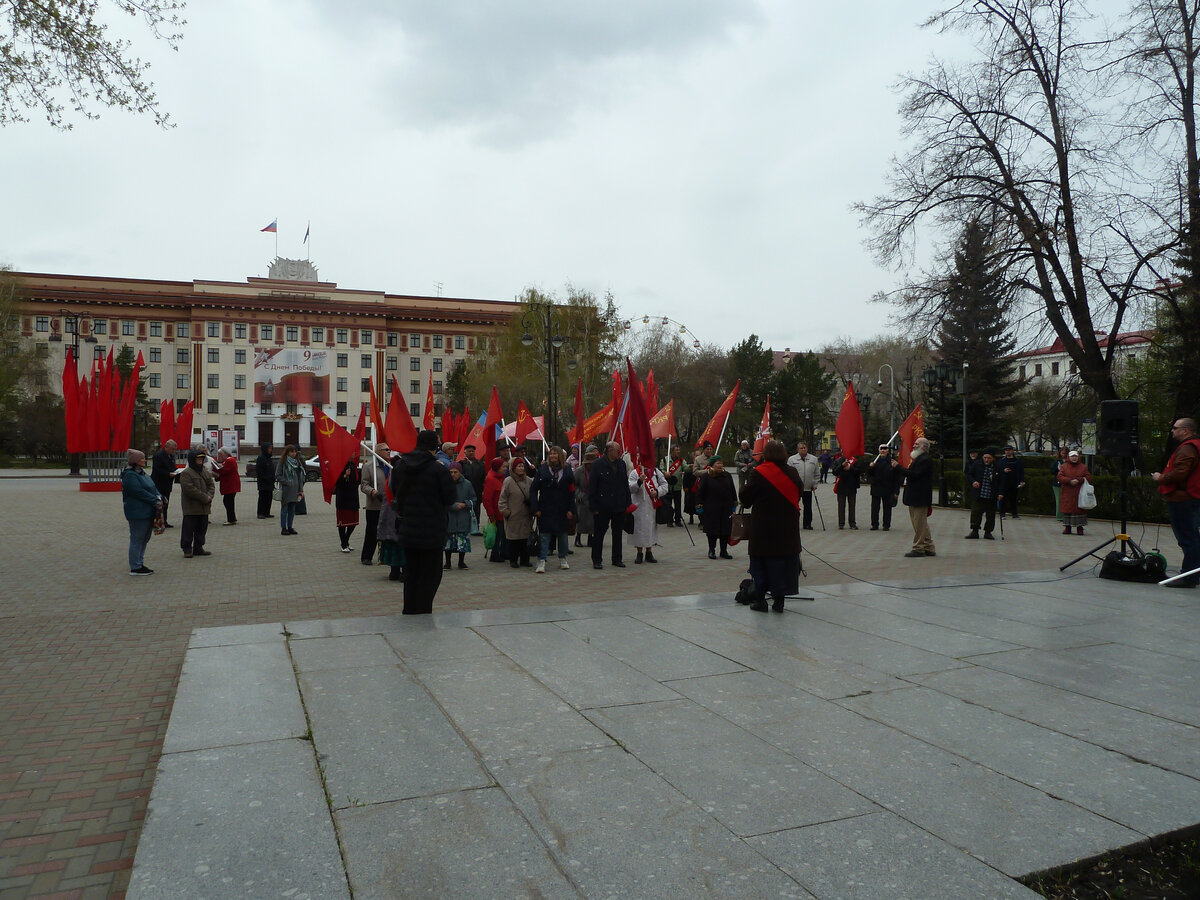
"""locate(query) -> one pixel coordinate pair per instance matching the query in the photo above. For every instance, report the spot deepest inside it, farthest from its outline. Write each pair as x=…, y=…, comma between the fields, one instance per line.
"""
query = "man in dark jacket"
x=264, y=475
x=162, y=473
x=424, y=491
x=474, y=471
x=848, y=472
x=883, y=487
x=984, y=476
x=918, y=497
x=608, y=497
x=1013, y=471
x=552, y=502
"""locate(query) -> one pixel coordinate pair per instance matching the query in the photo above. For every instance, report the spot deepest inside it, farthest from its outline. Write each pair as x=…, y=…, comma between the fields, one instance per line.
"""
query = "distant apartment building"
x=258, y=357
x=1053, y=365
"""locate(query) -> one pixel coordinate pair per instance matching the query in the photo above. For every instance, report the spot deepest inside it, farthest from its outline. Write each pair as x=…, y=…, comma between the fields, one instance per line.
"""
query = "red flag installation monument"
x=851, y=436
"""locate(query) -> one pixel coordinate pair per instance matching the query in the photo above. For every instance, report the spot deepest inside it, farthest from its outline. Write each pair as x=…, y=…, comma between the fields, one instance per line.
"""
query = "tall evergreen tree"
x=974, y=329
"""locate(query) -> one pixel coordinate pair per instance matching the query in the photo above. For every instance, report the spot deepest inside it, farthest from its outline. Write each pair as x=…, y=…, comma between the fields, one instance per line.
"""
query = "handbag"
x=277, y=494
x=489, y=536
x=1087, y=496
x=741, y=530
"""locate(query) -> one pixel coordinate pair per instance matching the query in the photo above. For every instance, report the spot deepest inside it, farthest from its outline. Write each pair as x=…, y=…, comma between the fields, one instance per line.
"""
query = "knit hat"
x=427, y=440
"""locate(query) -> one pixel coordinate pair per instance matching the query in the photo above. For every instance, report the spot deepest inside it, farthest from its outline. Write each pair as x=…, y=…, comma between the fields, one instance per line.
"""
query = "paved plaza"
x=580, y=733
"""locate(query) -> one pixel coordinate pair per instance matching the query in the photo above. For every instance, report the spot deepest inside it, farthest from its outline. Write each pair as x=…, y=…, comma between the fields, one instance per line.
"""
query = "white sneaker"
x=563, y=564
x=541, y=568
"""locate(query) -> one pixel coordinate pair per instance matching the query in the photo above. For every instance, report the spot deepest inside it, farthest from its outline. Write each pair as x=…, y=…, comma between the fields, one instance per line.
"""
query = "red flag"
x=449, y=429
x=335, y=447
x=122, y=438
x=635, y=423
x=598, y=423
x=910, y=429
x=851, y=436
x=651, y=391
x=525, y=424
x=474, y=438
x=70, y=389
x=183, y=426
x=166, y=421
x=764, y=431
x=575, y=434
x=716, y=426
x=428, y=422
x=491, y=422
x=375, y=411
x=618, y=396
x=662, y=423
x=400, y=433
x=360, y=429
x=93, y=410
x=464, y=429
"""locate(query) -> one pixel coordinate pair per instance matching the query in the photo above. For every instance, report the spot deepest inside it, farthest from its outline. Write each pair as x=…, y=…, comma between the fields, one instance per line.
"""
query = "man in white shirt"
x=810, y=471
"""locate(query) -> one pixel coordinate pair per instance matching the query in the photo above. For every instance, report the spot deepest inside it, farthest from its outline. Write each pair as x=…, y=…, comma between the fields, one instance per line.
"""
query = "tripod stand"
x=1129, y=549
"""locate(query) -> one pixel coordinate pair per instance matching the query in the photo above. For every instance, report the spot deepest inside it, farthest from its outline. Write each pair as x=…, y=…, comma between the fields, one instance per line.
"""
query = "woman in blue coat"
x=458, y=522
x=142, y=501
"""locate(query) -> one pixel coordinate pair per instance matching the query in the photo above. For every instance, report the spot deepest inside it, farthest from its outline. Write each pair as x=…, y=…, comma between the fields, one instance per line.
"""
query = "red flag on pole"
x=525, y=423
x=428, y=422
x=122, y=438
x=70, y=389
x=360, y=429
x=635, y=423
x=764, y=431
x=335, y=447
x=851, y=436
x=491, y=422
x=575, y=435
x=400, y=432
x=716, y=426
x=464, y=429
x=166, y=421
x=376, y=419
x=183, y=426
x=651, y=391
x=662, y=423
x=449, y=429
x=910, y=429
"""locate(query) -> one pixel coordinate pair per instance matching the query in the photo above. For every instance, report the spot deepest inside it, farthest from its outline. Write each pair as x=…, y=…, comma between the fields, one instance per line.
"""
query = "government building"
x=257, y=357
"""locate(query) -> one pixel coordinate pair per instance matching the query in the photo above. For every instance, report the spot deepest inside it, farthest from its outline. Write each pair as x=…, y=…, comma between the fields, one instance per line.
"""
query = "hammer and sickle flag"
x=335, y=447
x=525, y=424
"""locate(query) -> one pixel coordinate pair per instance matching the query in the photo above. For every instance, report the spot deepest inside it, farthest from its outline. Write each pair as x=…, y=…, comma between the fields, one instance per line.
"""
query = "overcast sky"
x=698, y=158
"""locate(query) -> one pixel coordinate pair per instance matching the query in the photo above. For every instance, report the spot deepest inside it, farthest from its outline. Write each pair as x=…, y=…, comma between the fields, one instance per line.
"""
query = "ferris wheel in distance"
x=661, y=324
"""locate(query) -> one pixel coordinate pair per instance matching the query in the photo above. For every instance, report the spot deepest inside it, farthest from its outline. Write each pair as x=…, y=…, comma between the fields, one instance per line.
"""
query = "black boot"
x=447, y=564
x=638, y=560
x=650, y=557
x=462, y=563
x=396, y=573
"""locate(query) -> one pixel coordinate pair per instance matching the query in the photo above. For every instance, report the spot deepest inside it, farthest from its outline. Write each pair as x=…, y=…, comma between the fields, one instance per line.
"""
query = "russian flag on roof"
x=273, y=227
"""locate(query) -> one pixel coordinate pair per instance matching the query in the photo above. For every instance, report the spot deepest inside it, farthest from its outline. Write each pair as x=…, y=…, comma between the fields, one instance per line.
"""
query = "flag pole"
x=721, y=437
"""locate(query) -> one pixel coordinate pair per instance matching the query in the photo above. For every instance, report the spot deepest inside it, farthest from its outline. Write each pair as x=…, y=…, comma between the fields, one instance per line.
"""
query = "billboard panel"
x=291, y=375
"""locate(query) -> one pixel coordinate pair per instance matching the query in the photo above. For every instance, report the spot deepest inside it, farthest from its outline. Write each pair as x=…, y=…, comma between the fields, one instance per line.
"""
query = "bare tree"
x=1016, y=139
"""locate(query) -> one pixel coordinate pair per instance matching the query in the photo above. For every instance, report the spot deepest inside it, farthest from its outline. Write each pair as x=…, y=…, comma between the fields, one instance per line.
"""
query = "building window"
x=414, y=364
x=341, y=408
x=239, y=357
x=266, y=332
x=156, y=329
x=292, y=409
x=364, y=336
x=1037, y=370
x=214, y=381
x=128, y=327
x=239, y=331
x=182, y=355
x=99, y=326
x=293, y=332
x=181, y=380
x=265, y=408
x=437, y=342
x=239, y=407
x=392, y=364
x=318, y=335
x=155, y=380
x=341, y=384
x=414, y=409
x=156, y=354
x=41, y=323
x=437, y=365
x=343, y=335
x=437, y=387
x=366, y=385
x=98, y=352
x=414, y=340
x=1021, y=373
x=42, y=350
x=1053, y=368
x=460, y=342
x=214, y=407
x=366, y=360
x=343, y=360
x=393, y=339
x=214, y=329
x=1072, y=368
x=239, y=382
x=214, y=354
x=183, y=329
x=414, y=386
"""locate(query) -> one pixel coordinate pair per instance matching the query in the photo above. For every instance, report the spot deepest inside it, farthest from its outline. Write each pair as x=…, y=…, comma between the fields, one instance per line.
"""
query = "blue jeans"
x=139, y=536
x=1185, y=522
x=287, y=515
x=544, y=545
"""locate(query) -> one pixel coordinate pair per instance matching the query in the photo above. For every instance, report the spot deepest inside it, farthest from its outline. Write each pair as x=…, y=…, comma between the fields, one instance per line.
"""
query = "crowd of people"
x=424, y=508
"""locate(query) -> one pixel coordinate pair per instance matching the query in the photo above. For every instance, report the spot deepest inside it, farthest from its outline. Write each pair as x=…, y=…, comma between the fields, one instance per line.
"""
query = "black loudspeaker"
x=1118, y=432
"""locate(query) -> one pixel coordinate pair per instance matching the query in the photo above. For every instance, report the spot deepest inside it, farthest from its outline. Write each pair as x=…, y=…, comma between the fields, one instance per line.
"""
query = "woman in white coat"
x=647, y=488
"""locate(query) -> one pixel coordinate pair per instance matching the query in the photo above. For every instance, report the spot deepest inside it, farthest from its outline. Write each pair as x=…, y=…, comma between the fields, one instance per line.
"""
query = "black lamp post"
x=553, y=344
x=941, y=376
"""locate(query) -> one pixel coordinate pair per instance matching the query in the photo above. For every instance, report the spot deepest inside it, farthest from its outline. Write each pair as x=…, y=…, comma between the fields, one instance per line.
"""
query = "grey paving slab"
x=1137, y=630
x=662, y=656
x=379, y=737
x=583, y=675
x=880, y=855
x=469, y=844
x=236, y=822
x=237, y=634
x=234, y=694
x=745, y=783
x=1140, y=735
x=356, y=651
x=503, y=711
x=620, y=831
x=1140, y=679
x=1086, y=590
x=1046, y=610
x=1138, y=795
x=323, y=628
x=747, y=642
x=1009, y=825
x=438, y=643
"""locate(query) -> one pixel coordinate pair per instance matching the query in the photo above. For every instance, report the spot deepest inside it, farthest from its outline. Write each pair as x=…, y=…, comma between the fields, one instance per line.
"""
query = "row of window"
x=183, y=355
x=1037, y=369
x=239, y=408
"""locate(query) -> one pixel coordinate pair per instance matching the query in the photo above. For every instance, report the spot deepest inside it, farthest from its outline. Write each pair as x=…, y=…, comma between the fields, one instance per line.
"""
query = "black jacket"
x=975, y=473
x=345, y=492
x=162, y=468
x=264, y=472
x=848, y=476
x=608, y=488
x=918, y=490
x=718, y=496
x=474, y=472
x=553, y=498
x=774, y=521
x=1010, y=480
x=424, y=491
x=883, y=477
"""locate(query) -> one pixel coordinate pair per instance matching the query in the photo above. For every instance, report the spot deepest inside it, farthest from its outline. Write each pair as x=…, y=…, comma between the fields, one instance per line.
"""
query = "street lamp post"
x=962, y=387
x=941, y=376
x=891, y=395
x=553, y=343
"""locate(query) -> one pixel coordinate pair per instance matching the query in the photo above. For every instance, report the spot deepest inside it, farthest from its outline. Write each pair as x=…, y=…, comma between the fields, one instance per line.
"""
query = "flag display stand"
x=103, y=472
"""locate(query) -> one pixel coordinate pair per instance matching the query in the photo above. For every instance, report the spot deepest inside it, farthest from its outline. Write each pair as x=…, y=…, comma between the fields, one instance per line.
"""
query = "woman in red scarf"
x=491, y=505
x=772, y=492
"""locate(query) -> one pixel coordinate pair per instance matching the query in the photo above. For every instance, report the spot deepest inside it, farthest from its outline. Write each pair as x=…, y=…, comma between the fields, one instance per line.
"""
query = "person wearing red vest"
x=1179, y=484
